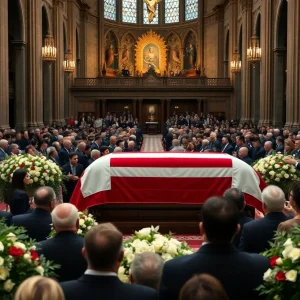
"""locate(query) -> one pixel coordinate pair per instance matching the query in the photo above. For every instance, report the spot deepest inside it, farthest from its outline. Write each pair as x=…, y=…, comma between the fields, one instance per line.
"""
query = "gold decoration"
x=151, y=53
x=151, y=8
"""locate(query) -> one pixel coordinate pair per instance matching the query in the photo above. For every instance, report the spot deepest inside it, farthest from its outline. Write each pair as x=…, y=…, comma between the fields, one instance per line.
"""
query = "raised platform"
x=180, y=219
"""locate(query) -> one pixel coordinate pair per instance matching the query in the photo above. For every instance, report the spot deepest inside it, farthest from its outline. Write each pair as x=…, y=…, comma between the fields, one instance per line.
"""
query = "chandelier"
x=69, y=63
x=254, y=51
x=235, y=64
x=49, y=51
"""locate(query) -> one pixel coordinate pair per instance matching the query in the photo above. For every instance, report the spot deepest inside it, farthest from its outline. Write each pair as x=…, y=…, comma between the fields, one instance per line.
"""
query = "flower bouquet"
x=282, y=280
x=86, y=222
x=150, y=240
x=19, y=260
x=42, y=171
x=274, y=170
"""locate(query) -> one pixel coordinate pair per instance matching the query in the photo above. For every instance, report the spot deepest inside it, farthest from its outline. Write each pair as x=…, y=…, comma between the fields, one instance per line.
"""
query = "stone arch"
x=226, y=53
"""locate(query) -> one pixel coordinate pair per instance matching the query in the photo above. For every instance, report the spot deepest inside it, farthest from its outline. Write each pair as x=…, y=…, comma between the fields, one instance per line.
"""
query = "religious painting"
x=151, y=53
x=111, y=54
x=175, y=56
x=190, y=58
x=127, y=54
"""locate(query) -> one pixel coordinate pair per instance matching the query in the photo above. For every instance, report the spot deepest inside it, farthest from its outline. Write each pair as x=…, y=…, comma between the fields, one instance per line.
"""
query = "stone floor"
x=152, y=143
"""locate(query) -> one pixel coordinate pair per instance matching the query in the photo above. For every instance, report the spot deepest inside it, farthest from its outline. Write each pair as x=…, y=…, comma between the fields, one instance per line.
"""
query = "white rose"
x=272, y=162
x=8, y=285
x=1, y=247
x=286, y=176
x=172, y=249
x=144, y=231
x=130, y=257
x=176, y=242
x=3, y=273
x=121, y=270
x=47, y=178
x=294, y=254
x=277, y=298
x=83, y=226
x=20, y=246
x=40, y=270
x=187, y=252
x=266, y=165
x=279, y=175
x=287, y=250
x=38, y=174
x=45, y=174
x=291, y=275
x=45, y=167
x=276, y=166
x=89, y=227
x=279, y=261
x=27, y=256
x=81, y=222
x=288, y=242
x=285, y=167
x=51, y=178
x=1, y=261
x=135, y=242
x=268, y=276
x=12, y=237
x=272, y=173
x=277, y=179
x=42, y=182
x=35, y=179
x=158, y=244
x=79, y=231
x=293, y=170
x=166, y=257
x=124, y=278
x=31, y=181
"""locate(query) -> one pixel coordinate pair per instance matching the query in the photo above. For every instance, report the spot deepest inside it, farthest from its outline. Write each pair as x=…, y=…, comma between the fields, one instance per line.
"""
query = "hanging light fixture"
x=49, y=50
x=254, y=51
x=235, y=64
x=69, y=63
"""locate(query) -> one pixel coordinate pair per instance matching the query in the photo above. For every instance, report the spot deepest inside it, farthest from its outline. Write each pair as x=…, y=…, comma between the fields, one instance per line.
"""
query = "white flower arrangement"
x=86, y=222
x=42, y=171
x=274, y=170
x=150, y=240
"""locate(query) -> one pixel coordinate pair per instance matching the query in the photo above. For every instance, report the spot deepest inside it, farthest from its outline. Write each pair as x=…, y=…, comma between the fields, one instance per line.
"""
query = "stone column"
x=134, y=107
x=4, y=78
x=101, y=39
x=168, y=108
x=20, y=80
x=279, y=69
x=255, y=92
x=162, y=114
x=140, y=111
x=58, y=109
x=247, y=33
x=199, y=107
x=47, y=93
x=103, y=108
x=34, y=63
x=293, y=66
x=266, y=38
x=205, y=107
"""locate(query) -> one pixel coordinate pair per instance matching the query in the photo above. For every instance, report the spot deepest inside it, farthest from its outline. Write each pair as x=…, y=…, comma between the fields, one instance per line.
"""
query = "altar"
x=135, y=190
x=151, y=128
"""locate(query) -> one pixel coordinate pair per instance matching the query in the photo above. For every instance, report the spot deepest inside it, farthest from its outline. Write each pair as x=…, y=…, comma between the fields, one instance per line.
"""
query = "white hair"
x=206, y=142
x=51, y=150
x=273, y=197
x=118, y=149
x=146, y=269
x=95, y=153
x=3, y=143
x=69, y=221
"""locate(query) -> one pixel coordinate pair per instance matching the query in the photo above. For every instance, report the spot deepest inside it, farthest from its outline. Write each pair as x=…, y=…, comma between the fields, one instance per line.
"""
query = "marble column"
x=20, y=81
x=279, y=88
x=47, y=93
x=266, y=38
x=4, y=78
x=247, y=33
x=293, y=66
x=58, y=109
x=34, y=64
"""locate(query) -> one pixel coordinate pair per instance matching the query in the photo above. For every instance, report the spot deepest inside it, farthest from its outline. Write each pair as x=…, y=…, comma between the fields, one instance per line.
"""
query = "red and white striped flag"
x=153, y=178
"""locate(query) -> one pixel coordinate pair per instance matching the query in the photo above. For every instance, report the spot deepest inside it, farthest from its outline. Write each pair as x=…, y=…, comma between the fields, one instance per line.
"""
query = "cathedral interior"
x=235, y=59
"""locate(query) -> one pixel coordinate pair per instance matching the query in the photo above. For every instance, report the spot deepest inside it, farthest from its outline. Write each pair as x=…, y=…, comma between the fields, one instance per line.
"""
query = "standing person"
x=73, y=170
x=18, y=198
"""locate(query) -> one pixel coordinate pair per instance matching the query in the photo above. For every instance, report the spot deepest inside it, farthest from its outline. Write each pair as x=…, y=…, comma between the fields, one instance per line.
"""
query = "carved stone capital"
x=246, y=5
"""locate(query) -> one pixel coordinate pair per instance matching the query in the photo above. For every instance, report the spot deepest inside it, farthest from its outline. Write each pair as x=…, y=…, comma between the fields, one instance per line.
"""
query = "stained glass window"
x=129, y=11
x=191, y=9
x=145, y=14
x=171, y=11
x=110, y=10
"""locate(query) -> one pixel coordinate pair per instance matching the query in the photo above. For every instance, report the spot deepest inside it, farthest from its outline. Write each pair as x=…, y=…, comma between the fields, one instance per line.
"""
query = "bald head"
x=131, y=144
x=65, y=217
x=243, y=152
x=3, y=144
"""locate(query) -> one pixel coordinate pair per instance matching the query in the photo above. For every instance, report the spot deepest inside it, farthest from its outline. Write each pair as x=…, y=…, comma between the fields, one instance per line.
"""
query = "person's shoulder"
x=140, y=291
x=178, y=262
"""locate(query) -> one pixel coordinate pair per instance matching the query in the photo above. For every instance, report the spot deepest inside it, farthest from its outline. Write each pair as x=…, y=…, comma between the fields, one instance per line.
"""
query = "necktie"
x=73, y=170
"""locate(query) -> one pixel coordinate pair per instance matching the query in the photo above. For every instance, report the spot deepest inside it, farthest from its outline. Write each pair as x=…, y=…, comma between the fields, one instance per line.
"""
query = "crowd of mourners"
x=227, y=266
x=206, y=133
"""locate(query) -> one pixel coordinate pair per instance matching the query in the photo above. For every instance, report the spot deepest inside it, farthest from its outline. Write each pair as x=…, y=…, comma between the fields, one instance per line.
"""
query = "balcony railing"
x=151, y=81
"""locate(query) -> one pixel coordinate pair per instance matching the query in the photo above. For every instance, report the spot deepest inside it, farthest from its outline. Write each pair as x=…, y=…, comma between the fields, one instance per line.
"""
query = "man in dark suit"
x=53, y=155
x=279, y=145
x=297, y=149
x=243, y=155
x=239, y=272
x=73, y=170
x=7, y=217
x=257, y=234
x=64, y=152
x=82, y=158
x=38, y=222
x=3, y=149
x=97, y=143
x=65, y=248
x=226, y=147
x=104, y=254
x=95, y=154
x=258, y=151
x=237, y=197
x=169, y=139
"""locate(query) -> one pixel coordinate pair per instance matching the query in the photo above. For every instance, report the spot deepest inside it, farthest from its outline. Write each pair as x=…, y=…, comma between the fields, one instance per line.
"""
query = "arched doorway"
x=280, y=66
x=17, y=58
x=255, y=81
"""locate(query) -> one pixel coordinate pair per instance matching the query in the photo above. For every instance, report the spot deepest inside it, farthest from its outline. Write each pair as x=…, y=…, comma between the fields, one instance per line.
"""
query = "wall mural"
x=111, y=54
x=127, y=57
x=190, y=57
x=174, y=57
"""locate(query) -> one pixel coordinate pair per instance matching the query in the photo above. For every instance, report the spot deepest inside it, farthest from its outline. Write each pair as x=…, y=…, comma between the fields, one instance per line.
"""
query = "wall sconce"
x=126, y=107
x=176, y=107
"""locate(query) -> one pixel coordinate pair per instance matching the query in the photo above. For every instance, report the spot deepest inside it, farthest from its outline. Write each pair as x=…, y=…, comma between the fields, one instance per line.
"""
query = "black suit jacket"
x=257, y=234
x=63, y=156
x=247, y=160
x=258, y=153
x=239, y=272
x=82, y=159
x=65, y=249
x=37, y=223
x=19, y=202
x=55, y=160
x=228, y=149
x=243, y=220
x=105, y=288
x=7, y=217
x=70, y=184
